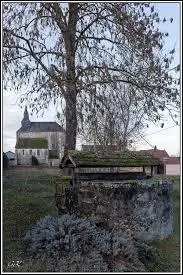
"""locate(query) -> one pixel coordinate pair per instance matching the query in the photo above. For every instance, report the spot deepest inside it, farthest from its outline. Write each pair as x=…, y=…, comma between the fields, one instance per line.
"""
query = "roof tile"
x=42, y=127
x=160, y=154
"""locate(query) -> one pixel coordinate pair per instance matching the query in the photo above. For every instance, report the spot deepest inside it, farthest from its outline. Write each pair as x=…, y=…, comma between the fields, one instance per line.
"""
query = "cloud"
x=12, y=116
x=168, y=140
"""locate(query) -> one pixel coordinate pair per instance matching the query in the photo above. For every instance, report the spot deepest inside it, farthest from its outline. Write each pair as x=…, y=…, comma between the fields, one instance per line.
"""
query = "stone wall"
x=24, y=156
x=143, y=209
x=12, y=162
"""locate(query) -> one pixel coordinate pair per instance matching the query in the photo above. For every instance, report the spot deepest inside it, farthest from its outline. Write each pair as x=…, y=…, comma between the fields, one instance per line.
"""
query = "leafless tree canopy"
x=118, y=123
x=80, y=52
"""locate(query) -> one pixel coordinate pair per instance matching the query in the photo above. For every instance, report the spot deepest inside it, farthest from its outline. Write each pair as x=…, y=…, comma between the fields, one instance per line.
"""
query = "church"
x=39, y=143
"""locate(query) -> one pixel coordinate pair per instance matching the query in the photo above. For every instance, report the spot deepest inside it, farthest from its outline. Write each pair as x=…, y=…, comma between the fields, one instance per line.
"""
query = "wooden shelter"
x=86, y=166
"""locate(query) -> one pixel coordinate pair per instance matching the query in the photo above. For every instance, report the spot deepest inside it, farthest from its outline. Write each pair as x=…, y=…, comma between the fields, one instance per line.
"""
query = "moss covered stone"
x=32, y=143
x=63, y=180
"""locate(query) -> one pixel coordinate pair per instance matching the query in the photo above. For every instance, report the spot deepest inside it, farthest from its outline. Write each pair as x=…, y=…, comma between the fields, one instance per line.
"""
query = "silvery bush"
x=69, y=244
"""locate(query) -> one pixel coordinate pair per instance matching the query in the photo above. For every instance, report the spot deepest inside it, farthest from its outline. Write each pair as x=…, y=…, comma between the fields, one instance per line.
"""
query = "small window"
x=22, y=152
x=30, y=152
x=38, y=152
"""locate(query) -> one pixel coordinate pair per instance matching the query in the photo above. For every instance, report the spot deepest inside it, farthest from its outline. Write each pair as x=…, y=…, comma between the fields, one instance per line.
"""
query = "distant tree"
x=177, y=155
x=118, y=123
x=75, y=51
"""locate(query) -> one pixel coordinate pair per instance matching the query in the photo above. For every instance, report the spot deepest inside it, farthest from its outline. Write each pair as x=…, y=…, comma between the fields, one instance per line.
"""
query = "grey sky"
x=167, y=139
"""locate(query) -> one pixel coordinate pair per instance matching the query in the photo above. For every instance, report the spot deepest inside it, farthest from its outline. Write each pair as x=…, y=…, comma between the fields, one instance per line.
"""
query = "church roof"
x=31, y=143
x=42, y=127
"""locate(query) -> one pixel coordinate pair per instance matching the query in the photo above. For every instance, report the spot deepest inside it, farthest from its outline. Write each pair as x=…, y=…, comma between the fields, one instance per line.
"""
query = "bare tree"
x=75, y=51
x=118, y=123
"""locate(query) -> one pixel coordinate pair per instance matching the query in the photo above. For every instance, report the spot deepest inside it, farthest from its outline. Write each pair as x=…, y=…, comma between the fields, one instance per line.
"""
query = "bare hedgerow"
x=69, y=244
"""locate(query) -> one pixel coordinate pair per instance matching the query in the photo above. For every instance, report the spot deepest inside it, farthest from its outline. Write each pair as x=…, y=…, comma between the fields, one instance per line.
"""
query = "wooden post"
x=143, y=169
x=73, y=177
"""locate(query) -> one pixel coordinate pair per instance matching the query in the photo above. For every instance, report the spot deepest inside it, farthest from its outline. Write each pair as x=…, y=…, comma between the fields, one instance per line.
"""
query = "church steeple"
x=25, y=121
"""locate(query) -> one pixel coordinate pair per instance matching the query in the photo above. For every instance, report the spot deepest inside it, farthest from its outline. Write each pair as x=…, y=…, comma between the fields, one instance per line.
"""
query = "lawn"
x=28, y=195
x=169, y=249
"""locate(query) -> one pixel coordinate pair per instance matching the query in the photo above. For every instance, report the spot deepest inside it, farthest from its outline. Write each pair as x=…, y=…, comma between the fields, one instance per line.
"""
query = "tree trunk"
x=71, y=93
x=71, y=121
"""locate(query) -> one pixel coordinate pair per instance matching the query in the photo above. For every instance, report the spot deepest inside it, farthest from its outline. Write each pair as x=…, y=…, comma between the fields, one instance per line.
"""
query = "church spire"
x=26, y=114
x=25, y=121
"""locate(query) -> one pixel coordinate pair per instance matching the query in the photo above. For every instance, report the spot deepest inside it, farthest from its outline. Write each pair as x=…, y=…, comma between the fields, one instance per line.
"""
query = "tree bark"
x=71, y=93
x=71, y=120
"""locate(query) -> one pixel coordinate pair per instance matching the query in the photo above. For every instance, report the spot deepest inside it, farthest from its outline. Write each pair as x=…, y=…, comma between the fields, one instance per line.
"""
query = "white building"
x=173, y=166
x=43, y=141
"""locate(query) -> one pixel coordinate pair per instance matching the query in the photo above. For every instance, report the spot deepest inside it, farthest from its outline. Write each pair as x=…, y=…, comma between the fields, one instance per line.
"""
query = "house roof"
x=120, y=159
x=10, y=155
x=10, y=152
x=42, y=127
x=173, y=160
x=160, y=154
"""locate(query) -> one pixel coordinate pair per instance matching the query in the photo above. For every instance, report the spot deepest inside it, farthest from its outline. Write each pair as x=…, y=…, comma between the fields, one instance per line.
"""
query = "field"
x=28, y=194
x=169, y=249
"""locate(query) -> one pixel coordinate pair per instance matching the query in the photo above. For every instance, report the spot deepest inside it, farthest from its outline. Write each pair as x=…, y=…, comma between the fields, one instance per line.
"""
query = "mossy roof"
x=32, y=143
x=121, y=159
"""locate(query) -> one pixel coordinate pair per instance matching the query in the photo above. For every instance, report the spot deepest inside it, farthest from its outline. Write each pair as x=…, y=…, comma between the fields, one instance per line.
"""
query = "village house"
x=39, y=142
x=11, y=158
x=169, y=165
x=173, y=166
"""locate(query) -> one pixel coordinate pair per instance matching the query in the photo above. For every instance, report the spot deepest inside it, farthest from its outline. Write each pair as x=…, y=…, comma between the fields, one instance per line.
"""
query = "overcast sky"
x=168, y=139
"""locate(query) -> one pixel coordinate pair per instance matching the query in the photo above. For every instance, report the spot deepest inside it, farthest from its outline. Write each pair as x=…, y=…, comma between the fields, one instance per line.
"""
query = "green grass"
x=169, y=249
x=28, y=195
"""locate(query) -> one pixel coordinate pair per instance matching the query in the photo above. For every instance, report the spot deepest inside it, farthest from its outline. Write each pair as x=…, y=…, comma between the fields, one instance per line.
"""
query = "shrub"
x=53, y=154
x=69, y=244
